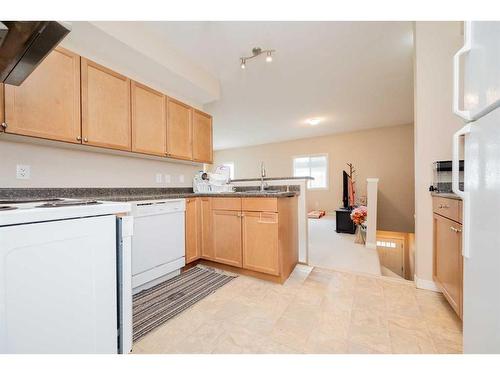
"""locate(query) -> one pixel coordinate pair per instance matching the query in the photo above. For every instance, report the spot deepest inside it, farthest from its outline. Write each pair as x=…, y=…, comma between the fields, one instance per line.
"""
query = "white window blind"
x=315, y=166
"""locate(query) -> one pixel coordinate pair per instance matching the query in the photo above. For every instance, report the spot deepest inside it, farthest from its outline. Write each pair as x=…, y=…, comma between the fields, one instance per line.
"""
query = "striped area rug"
x=154, y=306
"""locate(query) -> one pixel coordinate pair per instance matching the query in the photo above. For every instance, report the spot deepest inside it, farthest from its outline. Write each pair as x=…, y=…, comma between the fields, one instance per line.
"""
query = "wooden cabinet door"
x=179, y=130
x=226, y=231
x=207, y=250
x=193, y=229
x=105, y=107
x=260, y=242
x=47, y=104
x=149, y=120
x=202, y=137
x=448, y=260
x=2, y=106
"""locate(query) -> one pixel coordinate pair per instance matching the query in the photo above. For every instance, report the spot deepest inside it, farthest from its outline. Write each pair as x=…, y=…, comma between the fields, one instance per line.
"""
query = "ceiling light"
x=313, y=121
x=257, y=52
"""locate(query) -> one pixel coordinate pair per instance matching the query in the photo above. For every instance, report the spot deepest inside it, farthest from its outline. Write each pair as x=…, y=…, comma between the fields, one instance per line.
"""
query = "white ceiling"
x=353, y=75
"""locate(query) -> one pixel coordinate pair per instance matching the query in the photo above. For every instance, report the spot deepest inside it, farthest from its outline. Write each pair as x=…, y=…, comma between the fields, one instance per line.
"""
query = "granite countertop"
x=130, y=198
x=449, y=195
x=133, y=194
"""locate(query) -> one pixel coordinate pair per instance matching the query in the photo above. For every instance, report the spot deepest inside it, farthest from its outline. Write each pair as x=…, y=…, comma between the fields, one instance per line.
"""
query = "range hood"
x=24, y=45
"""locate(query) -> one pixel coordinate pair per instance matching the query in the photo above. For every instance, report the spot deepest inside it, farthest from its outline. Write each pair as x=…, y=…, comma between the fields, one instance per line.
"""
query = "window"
x=230, y=165
x=312, y=165
x=386, y=244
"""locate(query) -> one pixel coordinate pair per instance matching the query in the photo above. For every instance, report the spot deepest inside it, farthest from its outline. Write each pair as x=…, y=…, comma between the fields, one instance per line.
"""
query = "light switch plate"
x=181, y=178
x=158, y=178
x=23, y=172
x=168, y=178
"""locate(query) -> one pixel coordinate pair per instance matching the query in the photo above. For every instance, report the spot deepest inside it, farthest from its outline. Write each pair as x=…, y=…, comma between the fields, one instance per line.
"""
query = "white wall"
x=52, y=166
x=435, y=45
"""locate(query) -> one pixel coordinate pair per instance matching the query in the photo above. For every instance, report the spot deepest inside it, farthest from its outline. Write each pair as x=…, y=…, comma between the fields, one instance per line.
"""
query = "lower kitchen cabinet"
x=261, y=240
x=193, y=229
x=226, y=232
x=448, y=260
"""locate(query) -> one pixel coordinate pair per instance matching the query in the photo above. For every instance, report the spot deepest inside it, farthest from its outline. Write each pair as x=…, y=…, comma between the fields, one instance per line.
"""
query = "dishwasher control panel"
x=155, y=207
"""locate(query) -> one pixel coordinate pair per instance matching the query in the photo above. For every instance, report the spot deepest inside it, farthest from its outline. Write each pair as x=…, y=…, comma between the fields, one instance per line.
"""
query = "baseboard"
x=426, y=284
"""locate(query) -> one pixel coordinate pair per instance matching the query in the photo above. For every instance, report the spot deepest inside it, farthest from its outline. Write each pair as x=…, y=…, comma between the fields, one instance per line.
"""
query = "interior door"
x=105, y=107
x=149, y=121
x=47, y=104
x=226, y=231
x=58, y=290
x=179, y=130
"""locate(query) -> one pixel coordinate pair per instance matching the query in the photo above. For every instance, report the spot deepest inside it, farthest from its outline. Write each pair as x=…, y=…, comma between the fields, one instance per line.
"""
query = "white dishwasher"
x=158, y=251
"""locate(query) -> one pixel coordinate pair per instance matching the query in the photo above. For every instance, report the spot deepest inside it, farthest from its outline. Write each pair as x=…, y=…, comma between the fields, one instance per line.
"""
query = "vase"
x=358, y=236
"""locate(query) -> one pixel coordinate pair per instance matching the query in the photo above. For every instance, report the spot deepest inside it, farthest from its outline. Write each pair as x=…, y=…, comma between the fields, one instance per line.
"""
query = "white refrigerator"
x=477, y=102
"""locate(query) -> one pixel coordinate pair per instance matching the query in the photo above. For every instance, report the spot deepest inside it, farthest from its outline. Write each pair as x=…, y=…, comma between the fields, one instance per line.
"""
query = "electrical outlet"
x=181, y=178
x=23, y=172
x=158, y=178
x=168, y=179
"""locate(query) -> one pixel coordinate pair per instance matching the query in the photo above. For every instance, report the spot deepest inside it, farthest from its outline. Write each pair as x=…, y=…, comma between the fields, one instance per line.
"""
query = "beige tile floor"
x=315, y=311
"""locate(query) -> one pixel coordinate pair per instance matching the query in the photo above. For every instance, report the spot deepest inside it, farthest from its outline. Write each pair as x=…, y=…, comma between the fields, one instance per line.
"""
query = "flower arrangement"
x=358, y=215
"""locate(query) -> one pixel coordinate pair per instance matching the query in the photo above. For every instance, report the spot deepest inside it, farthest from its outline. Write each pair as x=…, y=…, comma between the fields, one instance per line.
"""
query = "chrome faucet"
x=263, y=185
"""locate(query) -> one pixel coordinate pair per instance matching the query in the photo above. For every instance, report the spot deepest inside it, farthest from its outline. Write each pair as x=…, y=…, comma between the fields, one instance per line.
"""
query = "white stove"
x=66, y=271
x=37, y=210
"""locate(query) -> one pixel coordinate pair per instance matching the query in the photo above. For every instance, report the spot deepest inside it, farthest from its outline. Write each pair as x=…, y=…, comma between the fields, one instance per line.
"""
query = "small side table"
x=344, y=222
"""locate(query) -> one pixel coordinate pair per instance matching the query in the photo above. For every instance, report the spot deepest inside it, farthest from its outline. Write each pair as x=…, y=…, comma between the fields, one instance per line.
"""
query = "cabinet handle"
x=456, y=230
x=78, y=138
x=3, y=125
x=85, y=139
x=444, y=206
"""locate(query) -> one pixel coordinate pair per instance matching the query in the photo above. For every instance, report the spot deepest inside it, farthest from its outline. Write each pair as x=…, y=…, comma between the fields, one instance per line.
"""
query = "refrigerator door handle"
x=455, y=187
x=456, y=72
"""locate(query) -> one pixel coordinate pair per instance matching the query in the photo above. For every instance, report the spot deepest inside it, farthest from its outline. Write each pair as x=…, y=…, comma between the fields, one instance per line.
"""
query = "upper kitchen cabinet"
x=179, y=130
x=47, y=104
x=105, y=107
x=202, y=137
x=149, y=120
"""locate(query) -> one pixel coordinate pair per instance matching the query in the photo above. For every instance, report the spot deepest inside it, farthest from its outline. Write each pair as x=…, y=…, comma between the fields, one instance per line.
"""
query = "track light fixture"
x=257, y=51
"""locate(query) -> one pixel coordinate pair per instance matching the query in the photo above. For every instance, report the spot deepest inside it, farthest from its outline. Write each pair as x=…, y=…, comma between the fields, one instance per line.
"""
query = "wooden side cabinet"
x=193, y=229
x=448, y=260
x=149, y=120
x=207, y=250
x=202, y=137
x=47, y=104
x=105, y=107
